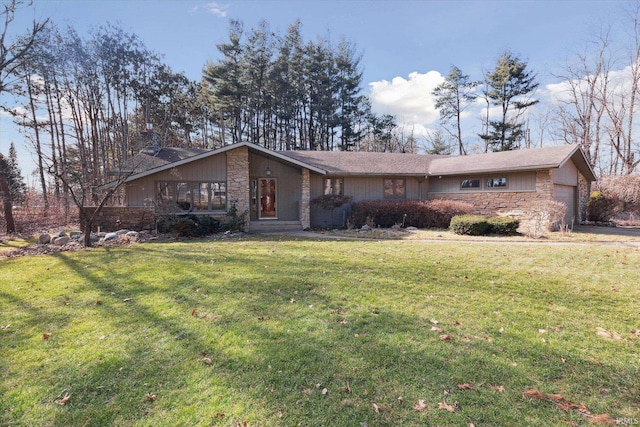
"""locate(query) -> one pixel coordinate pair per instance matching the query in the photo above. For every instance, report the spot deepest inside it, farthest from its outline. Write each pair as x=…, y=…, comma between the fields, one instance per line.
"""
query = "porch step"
x=274, y=226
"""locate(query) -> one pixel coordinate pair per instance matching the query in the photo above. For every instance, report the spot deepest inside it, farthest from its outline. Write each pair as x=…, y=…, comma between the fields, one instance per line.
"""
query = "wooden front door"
x=268, y=207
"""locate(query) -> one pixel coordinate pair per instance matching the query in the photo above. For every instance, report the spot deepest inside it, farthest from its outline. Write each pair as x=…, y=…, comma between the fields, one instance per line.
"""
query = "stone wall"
x=584, y=191
x=492, y=203
x=112, y=218
x=238, y=184
x=305, y=198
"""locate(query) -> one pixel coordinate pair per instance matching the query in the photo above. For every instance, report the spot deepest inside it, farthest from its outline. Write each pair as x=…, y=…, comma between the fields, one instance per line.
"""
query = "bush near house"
x=600, y=208
x=503, y=225
x=470, y=225
x=415, y=213
x=189, y=225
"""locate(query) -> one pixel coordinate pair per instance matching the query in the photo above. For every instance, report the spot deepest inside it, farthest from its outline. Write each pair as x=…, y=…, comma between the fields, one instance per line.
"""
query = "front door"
x=268, y=207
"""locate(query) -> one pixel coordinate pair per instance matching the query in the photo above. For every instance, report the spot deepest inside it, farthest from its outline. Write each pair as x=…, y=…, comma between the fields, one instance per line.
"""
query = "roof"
x=517, y=160
x=148, y=159
x=365, y=163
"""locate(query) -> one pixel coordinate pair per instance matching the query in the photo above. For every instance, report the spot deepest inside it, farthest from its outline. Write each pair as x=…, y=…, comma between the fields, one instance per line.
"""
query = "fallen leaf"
x=434, y=321
x=471, y=424
x=634, y=333
x=466, y=339
x=445, y=338
x=46, y=336
x=500, y=388
x=346, y=388
x=325, y=391
x=219, y=415
x=207, y=360
x=601, y=332
x=535, y=394
x=261, y=318
x=194, y=311
x=465, y=386
x=444, y=405
x=436, y=329
x=99, y=302
x=420, y=405
x=343, y=322
x=150, y=397
x=127, y=299
x=456, y=323
x=306, y=390
x=65, y=399
x=376, y=409
x=542, y=331
x=4, y=328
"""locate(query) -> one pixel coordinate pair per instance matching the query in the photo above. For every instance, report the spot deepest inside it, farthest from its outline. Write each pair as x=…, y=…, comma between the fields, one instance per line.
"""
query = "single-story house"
x=277, y=188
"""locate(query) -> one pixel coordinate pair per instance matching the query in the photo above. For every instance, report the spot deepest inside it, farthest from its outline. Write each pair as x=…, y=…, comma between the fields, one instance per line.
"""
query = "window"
x=496, y=182
x=333, y=187
x=192, y=196
x=394, y=189
x=470, y=183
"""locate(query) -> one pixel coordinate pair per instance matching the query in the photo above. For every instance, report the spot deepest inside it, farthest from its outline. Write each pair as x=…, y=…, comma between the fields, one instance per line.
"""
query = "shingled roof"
x=517, y=160
x=364, y=163
x=149, y=159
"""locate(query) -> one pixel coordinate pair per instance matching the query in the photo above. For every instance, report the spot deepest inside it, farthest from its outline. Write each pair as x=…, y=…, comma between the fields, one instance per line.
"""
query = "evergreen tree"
x=508, y=86
x=452, y=97
x=12, y=187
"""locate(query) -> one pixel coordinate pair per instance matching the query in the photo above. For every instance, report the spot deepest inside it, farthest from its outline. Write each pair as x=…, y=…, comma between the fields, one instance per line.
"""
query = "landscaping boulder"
x=132, y=235
x=61, y=241
x=121, y=232
x=110, y=236
x=44, y=238
x=60, y=233
x=76, y=235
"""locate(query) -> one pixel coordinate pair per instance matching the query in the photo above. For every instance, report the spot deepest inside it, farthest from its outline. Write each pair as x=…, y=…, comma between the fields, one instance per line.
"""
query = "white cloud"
x=409, y=100
x=214, y=8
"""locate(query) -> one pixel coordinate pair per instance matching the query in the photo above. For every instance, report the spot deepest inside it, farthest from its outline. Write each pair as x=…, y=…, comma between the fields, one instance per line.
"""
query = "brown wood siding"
x=141, y=192
x=566, y=175
x=515, y=182
x=369, y=187
x=288, y=181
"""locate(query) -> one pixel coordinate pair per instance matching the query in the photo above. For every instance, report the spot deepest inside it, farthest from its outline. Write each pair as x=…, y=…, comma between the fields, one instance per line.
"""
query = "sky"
x=407, y=46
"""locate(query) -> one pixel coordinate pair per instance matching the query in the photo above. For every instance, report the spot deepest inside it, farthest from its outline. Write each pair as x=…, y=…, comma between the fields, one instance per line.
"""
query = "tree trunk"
x=8, y=205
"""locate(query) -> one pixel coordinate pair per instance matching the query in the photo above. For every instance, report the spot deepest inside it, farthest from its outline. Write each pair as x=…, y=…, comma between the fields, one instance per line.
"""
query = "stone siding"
x=112, y=218
x=584, y=191
x=492, y=203
x=305, y=208
x=238, y=184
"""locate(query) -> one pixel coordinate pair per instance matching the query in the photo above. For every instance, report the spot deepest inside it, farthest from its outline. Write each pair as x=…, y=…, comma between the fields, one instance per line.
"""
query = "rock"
x=121, y=232
x=411, y=228
x=365, y=227
x=60, y=233
x=61, y=241
x=93, y=238
x=44, y=238
x=110, y=236
x=132, y=235
x=75, y=235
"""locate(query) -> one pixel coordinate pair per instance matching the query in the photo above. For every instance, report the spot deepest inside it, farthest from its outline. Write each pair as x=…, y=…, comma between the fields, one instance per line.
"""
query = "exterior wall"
x=305, y=205
x=451, y=184
x=503, y=202
x=238, y=180
x=566, y=175
x=112, y=218
x=369, y=187
x=141, y=192
x=288, y=186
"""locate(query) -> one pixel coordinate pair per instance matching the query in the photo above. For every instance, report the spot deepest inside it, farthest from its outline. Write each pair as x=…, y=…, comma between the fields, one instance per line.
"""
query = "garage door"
x=567, y=195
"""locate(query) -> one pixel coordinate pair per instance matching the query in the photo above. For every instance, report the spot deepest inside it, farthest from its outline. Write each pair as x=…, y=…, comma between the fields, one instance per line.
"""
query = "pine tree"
x=452, y=96
x=508, y=86
x=12, y=187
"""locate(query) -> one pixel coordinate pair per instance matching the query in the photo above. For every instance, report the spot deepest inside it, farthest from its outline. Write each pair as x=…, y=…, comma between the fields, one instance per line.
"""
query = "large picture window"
x=394, y=188
x=333, y=187
x=191, y=195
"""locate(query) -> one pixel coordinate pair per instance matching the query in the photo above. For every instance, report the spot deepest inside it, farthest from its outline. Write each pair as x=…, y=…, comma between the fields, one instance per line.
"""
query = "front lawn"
x=272, y=332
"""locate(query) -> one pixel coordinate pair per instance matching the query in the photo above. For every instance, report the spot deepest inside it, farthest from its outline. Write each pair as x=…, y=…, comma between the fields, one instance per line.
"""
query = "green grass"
x=279, y=321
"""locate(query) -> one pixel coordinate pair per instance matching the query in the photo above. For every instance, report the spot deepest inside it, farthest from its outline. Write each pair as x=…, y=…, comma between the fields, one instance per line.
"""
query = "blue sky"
x=407, y=45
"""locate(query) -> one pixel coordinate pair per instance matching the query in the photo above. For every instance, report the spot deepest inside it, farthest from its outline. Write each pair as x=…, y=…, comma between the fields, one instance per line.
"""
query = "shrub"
x=331, y=201
x=471, y=225
x=416, y=213
x=234, y=221
x=188, y=225
x=600, y=208
x=503, y=225
x=544, y=215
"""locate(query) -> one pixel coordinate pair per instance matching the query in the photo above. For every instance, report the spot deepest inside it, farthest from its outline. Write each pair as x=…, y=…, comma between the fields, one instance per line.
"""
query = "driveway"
x=609, y=231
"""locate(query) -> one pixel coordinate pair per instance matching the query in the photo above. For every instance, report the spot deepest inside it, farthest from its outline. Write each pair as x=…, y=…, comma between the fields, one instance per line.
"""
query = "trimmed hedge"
x=600, y=208
x=409, y=213
x=470, y=225
x=503, y=225
x=189, y=225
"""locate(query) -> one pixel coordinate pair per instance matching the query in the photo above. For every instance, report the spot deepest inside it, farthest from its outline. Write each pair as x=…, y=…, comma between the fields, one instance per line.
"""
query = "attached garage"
x=567, y=194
